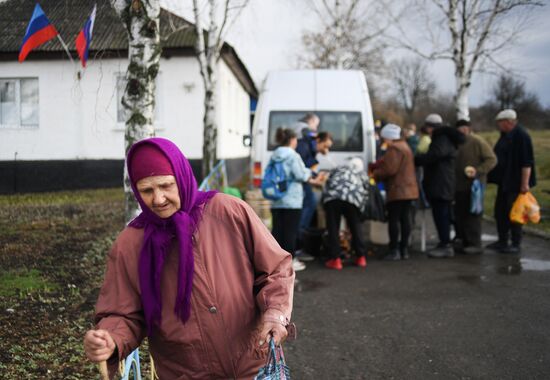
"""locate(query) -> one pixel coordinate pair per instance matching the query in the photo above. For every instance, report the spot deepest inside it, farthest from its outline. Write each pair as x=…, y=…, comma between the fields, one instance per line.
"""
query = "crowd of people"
x=435, y=168
x=209, y=311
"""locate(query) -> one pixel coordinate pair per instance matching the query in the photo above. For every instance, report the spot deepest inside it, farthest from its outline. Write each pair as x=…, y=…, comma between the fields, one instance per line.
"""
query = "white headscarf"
x=356, y=163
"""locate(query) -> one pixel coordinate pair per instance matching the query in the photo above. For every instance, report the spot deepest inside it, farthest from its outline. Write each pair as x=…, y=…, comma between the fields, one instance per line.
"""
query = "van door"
x=342, y=96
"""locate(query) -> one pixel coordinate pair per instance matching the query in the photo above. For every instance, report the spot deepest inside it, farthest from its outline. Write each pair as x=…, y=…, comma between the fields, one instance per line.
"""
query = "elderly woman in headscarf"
x=196, y=272
x=344, y=194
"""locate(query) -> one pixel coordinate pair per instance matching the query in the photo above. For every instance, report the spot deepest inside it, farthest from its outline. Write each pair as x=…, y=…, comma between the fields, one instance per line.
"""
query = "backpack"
x=275, y=181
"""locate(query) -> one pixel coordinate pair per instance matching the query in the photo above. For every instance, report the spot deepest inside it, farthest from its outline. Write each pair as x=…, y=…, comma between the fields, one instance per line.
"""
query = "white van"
x=339, y=97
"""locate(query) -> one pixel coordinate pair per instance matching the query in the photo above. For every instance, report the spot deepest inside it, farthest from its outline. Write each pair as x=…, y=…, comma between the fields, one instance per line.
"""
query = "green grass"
x=23, y=281
x=52, y=261
x=62, y=198
x=541, y=145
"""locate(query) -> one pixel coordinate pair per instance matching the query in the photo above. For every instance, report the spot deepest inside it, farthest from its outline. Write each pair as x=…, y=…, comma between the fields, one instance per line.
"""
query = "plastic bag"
x=275, y=367
x=374, y=207
x=476, y=197
x=525, y=209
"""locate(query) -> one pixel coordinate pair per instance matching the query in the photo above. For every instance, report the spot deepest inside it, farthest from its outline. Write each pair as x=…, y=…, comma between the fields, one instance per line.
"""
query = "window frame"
x=271, y=147
x=19, y=103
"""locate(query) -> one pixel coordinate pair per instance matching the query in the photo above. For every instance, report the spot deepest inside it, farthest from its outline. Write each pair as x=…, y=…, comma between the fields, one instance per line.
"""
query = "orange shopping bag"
x=525, y=209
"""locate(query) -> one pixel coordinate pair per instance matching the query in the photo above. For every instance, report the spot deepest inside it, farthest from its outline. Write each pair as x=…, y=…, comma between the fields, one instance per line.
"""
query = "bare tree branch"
x=350, y=36
x=412, y=83
x=477, y=31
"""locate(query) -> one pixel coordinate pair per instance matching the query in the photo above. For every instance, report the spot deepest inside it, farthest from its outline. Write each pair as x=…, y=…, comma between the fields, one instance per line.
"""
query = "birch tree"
x=217, y=15
x=141, y=21
x=474, y=33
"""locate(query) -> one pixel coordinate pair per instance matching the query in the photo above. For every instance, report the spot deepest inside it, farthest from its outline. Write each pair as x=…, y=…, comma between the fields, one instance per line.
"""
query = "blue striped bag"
x=476, y=198
x=275, y=367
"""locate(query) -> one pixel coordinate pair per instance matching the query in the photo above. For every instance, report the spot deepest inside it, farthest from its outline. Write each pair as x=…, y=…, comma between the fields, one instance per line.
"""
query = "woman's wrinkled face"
x=160, y=194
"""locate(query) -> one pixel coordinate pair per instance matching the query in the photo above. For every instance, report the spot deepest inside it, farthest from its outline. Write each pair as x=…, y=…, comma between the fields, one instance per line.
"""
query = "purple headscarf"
x=159, y=232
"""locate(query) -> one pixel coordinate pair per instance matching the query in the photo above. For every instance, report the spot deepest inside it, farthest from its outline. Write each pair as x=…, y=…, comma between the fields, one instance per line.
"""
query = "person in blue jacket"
x=286, y=212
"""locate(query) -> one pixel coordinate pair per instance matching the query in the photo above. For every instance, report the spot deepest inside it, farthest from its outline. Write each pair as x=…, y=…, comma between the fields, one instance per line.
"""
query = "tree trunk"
x=461, y=101
x=208, y=52
x=210, y=133
x=141, y=20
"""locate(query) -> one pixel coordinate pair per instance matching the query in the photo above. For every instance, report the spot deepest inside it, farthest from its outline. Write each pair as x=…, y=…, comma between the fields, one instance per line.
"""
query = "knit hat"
x=463, y=123
x=507, y=114
x=391, y=132
x=433, y=120
x=148, y=161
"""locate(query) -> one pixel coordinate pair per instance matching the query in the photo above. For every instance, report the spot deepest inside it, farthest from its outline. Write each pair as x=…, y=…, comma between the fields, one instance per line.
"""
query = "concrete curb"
x=529, y=230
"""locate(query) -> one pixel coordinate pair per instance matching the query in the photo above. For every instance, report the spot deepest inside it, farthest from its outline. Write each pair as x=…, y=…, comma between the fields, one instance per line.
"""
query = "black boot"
x=458, y=245
x=442, y=252
x=511, y=249
x=497, y=245
x=394, y=255
x=473, y=250
x=405, y=253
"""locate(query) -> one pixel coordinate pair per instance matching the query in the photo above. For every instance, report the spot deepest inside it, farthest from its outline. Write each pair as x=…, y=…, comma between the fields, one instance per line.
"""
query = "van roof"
x=316, y=90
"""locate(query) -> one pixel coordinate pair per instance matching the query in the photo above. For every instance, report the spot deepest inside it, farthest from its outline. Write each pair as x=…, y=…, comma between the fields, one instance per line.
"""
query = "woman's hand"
x=319, y=180
x=98, y=345
x=273, y=329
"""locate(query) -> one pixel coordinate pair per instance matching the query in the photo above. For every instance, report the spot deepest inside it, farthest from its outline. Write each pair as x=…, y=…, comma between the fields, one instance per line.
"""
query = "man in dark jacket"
x=514, y=174
x=439, y=179
x=307, y=146
x=474, y=160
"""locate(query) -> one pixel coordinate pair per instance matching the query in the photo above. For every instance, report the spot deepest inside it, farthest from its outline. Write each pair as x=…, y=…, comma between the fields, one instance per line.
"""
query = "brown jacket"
x=474, y=152
x=241, y=275
x=396, y=170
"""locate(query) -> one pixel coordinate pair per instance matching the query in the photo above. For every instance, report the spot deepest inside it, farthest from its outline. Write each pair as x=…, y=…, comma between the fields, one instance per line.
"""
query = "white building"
x=61, y=132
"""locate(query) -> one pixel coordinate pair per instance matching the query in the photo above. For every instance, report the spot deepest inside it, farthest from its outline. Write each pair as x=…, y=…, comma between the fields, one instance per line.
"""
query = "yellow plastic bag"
x=525, y=209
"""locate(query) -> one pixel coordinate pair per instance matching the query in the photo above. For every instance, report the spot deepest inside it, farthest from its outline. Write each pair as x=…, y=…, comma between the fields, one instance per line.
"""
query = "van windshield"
x=346, y=128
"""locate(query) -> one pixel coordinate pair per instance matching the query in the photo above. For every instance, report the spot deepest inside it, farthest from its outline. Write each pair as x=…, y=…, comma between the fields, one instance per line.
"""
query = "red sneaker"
x=361, y=262
x=334, y=264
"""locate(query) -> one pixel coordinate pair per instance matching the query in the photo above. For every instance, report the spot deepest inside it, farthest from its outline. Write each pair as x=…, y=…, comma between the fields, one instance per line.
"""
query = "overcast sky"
x=267, y=37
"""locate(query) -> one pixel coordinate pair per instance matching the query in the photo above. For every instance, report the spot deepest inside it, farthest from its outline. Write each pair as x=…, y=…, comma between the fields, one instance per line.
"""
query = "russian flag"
x=84, y=38
x=38, y=32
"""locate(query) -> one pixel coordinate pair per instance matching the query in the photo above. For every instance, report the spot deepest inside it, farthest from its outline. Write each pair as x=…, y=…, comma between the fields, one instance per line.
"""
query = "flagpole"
x=65, y=47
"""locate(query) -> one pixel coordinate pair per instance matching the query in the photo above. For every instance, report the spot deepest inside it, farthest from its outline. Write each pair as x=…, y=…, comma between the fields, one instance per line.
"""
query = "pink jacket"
x=241, y=275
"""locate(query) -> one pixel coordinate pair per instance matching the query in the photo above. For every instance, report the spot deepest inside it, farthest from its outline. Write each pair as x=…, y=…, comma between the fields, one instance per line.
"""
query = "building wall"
x=78, y=120
x=234, y=115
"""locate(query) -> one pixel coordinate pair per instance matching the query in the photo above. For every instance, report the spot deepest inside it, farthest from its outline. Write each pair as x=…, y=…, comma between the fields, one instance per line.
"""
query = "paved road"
x=476, y=317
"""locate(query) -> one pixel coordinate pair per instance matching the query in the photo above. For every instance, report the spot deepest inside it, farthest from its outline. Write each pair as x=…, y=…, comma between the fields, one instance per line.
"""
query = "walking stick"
x=103, y=370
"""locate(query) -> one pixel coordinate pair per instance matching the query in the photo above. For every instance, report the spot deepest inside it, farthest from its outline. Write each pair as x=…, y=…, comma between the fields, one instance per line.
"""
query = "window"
x=121, y=87
x=346, y=128
x=19, y=102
